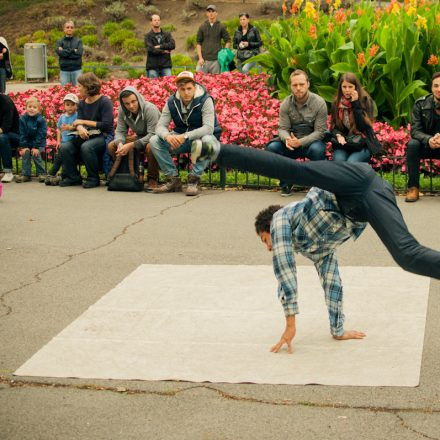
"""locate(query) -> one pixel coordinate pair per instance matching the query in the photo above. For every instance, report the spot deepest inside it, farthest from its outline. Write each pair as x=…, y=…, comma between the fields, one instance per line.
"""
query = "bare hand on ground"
x=287, y=336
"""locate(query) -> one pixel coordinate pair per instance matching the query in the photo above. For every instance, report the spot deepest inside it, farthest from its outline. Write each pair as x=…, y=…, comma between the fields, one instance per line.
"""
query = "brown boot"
x=150, y=185
x=192, y=189
x=412, y=195
x=173, y=184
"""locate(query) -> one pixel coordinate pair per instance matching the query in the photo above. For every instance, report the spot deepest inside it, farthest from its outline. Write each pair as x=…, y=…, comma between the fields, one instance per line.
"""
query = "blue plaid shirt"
x=314, y=227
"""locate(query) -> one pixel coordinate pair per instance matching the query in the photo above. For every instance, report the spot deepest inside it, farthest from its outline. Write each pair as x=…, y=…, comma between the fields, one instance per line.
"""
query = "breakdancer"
x=348, y=195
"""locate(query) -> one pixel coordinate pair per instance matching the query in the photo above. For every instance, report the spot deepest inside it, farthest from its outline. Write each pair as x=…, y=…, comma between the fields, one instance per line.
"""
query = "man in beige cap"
x=192, y=111
x=209, y=39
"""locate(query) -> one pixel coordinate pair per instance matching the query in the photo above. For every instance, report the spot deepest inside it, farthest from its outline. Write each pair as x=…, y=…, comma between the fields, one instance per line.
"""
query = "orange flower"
x=340, y=16
x=433, y=60
x=361, y=59
x=373, y=50
x=312, y=32
x=284, y=8
x=293, y=9
x=374, y=25
x=360, y=12
x=329, y=2
x=293, y=62
x=437, y=18
x=330, y=26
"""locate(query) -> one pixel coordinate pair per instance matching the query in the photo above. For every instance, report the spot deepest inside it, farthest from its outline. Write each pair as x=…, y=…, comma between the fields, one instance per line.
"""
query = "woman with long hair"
x=352, y=119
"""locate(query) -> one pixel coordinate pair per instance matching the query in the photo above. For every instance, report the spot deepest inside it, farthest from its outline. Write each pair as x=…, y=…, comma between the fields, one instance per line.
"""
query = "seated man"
x=141, y=117
x=425, y=136
x=192, y=111
x=303, y=122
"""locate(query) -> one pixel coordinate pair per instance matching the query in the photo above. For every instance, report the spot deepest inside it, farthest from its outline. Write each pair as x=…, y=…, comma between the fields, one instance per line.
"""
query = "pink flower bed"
x=246, y=111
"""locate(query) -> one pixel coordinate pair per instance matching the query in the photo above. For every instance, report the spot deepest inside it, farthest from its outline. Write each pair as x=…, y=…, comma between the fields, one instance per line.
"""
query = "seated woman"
x=352, y=116
x=94, y=126
x=247, y=41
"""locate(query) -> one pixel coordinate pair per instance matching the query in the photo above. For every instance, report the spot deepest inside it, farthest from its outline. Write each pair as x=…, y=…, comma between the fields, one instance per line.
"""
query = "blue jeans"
x=315, y=151
x=159, y=73
x=2, y=80
x=161, y=150
x=7, y=141
x=244, y=67
x=356, y=156
x=69, y=77
x=90, y=151
x=27, y=164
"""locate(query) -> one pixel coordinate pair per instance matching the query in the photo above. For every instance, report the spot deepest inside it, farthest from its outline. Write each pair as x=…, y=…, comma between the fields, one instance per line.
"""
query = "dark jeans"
x=415, y=151
x=57, y=162
x=2, y=80
x=7, y=141
x=90, y=151
x=362, y=195
x=315, y=151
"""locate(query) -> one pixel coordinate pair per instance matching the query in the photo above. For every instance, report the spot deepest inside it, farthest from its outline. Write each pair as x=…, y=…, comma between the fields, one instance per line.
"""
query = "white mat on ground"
x=217, y=323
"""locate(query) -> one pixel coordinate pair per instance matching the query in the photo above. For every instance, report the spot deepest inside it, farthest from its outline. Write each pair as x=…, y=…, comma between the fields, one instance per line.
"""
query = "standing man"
x=5, y=64
x=141, y=117
x=192, y=111
x=69, y=50
x=9, y=134
x=302, y=125
x=209, y=42
x=159, y=45
x=425, y=136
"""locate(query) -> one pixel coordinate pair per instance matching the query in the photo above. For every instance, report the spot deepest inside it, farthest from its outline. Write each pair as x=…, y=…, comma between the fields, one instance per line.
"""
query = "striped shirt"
x=314, y=227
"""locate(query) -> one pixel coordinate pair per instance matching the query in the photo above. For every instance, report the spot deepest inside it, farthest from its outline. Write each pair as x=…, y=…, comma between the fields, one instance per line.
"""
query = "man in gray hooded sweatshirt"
x=142, y=117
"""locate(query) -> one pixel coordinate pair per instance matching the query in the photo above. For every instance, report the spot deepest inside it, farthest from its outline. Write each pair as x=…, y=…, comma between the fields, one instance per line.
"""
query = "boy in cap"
x=192, y=111
x=65, y=130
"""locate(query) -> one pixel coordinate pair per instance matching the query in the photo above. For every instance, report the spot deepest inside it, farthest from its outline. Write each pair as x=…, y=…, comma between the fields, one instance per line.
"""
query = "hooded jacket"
x=143, y=123
x=33, y=131
x=8, y=115
x=199, y=120
x=70, y=54
x=5, y=63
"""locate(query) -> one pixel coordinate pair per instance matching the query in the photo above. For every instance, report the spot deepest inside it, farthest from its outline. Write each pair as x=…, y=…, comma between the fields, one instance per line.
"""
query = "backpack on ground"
x=124, y=175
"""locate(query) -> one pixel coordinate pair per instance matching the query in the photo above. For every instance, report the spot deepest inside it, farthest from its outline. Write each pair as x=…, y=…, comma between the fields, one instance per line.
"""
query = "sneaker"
x=22, y=178
x=55, y=180
x=412, y=195
x=67, y=181
x=8, y=177
x=204, y=150
x=173, y=184
x=192, y=189
x=42, y=178
x=88, y=183
x=286, y=191
x=48, y=179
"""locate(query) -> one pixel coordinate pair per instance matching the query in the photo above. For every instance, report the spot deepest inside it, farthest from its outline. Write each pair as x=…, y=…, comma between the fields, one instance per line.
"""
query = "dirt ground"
x=26, y=21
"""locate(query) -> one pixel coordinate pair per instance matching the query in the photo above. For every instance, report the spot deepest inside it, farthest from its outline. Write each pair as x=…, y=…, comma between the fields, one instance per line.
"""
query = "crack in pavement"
x=410, y=428
x=38, y=276
x=12, y=383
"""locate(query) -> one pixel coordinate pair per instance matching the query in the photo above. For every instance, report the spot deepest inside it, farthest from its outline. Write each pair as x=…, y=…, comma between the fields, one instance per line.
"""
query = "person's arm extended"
x=328, y=272
x=320, y=127
x=285, y=271
x=208, y=113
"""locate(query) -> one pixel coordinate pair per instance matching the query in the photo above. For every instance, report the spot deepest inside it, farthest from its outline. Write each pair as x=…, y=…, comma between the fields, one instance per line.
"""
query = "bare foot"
x=350, y=334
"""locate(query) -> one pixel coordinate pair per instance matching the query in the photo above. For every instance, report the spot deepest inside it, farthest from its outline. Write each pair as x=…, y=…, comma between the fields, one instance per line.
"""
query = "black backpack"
x=126, y=173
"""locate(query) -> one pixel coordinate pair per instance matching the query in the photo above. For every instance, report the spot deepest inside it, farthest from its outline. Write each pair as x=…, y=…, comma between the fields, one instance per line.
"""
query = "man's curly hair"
x=264, y=218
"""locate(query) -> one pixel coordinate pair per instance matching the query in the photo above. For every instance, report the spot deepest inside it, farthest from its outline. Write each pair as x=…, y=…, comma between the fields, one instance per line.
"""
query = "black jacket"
x=252, y=37
x=70, y=54
x=422, y=120
x=157, y=58
x=8, y=115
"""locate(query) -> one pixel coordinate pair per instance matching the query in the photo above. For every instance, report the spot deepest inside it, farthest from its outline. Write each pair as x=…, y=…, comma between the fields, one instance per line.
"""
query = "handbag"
x=373, y=143
x=122, y=176
x=244, y=54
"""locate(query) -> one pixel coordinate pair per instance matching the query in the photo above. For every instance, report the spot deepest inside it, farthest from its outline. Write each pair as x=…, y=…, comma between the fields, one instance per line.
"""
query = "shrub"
x=98, y=69
x=187, y=14
x=55, y=21
x=117, y=60
x=137, y=58
x=168, y=28
x=87, y=29
x=148, y=11
x=133, y=46
x=182, y=60
x=135, y=73
x=195, y=4
x=85, y=4
x=21, y=41
x=52, y=61
x=90, y=40
x=110, y=27
x=116, y=11
x=17, y=60
x=129, y=24
x=118, y=37
x=55, y=35
x=191, y=42
x=39, y=35
x=232, y=25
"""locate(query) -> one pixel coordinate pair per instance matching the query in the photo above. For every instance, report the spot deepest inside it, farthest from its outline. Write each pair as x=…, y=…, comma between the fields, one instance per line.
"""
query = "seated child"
x=33, y=131
x=65, y=131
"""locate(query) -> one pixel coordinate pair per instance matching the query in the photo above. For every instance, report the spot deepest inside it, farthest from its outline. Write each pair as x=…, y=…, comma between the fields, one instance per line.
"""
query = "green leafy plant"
x=90, y=40
x=110, y=27
x=191, y=42
x=99, y=69
x=148, y=11
x=116, y=11
x=21, y=41
x=86, y=29
x=118, y=37
x=117, y=60
x=128, y=23
x=133, y=46
x=168, y=28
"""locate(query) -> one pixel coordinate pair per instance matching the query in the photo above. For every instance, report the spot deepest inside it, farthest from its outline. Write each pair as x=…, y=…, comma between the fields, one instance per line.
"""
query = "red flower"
x=433, y=60
x=373, y=50
x=361, y=59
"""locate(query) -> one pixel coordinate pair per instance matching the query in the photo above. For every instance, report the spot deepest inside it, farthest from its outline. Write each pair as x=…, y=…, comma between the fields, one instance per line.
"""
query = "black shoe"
x=67, y=181
x=88, y=183
x=286, y=191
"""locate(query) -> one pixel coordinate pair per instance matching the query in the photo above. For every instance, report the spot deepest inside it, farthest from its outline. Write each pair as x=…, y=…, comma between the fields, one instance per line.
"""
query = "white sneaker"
x=8, y=177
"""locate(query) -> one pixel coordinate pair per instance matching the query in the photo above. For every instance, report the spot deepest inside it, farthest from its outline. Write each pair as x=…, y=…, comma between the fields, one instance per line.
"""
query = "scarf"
x=344, y=111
